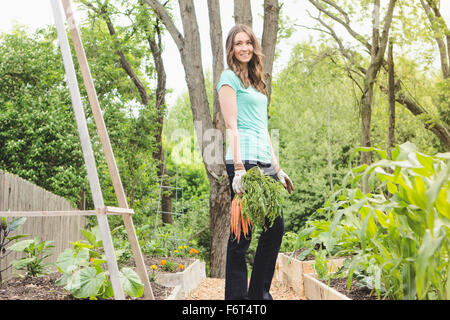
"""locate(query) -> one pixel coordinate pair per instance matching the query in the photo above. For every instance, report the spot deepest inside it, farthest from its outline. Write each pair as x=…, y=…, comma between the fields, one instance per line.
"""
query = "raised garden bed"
x=44, y=288
x=335, y=289
x=188, y=279
x=291, y=271
x=317, y=290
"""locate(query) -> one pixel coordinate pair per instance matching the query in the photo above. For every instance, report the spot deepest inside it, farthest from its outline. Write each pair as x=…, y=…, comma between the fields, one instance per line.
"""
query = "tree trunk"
x=166, y=203
x=160, y=105
x=391, y=125
x=243, y=12
x=219, y=200
x=190, y=52
x=269, y=39
x=378, y=49
x=205, y=127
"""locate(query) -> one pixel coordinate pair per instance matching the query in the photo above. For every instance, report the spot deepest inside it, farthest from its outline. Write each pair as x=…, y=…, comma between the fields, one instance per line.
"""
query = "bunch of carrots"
x=238, y=220
x=260, y=202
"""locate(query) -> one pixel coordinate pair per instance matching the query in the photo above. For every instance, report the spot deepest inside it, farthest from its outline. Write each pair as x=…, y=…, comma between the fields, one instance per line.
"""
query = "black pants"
x=265, y=257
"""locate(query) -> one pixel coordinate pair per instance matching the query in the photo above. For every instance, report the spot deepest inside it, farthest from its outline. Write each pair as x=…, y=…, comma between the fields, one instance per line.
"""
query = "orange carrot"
x=238, y=220
x=244, y=223
x=233, y=216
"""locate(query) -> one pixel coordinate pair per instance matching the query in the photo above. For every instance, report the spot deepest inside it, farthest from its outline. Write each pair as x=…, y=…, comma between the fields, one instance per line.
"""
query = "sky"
x=38, y=13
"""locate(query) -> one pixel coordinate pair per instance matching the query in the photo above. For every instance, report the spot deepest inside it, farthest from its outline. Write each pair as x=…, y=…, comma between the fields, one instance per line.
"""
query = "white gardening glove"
x=237, y=183
x=285, y=180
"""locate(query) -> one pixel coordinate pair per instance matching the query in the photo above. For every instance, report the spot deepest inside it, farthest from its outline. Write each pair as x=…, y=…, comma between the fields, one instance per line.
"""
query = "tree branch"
x=440, y=42
x=165, y=18
x=103, y=12
x=438, y=129
x=346, y=25
x=385, y=34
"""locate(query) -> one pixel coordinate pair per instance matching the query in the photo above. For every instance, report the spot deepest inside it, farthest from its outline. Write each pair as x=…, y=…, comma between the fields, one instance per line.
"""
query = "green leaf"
x=360, y=168
x=19, y=236
x=442, y=203
x=15, y=224
x=93, y=236
x=22, y=263
x=77, y=245
x=302, y=256
x=131, y=283
x=89, y=283
x=428, y=247
x=70, y=260
x=21, y=245
x=64, y=279
x=433, y=191
x=392, y=188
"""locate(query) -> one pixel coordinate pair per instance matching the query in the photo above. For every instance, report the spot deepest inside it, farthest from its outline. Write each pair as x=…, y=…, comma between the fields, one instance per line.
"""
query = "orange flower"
x=92, y=259
x=193, y=251
x=163, y=262
x=180, y=266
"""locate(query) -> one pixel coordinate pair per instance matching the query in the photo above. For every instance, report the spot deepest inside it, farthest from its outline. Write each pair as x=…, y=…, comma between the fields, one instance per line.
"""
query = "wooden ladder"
x=101, y=211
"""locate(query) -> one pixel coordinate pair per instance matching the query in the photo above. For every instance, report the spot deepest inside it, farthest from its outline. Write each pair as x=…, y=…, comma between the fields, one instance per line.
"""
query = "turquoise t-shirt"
x=251, y=119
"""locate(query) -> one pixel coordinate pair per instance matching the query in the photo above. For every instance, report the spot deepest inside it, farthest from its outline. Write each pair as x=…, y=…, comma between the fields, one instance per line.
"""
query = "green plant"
x=289, y=241
x=316, y=236
x=169, y=266
x=35, y=252
x=83, y=274
x=261, y=199
x=321, y=264
x=401, y=231
x=5, y=239
x=164, y=241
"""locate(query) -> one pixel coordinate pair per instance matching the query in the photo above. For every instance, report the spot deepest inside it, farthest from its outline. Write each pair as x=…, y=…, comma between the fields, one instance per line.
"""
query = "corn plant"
x=400, y=232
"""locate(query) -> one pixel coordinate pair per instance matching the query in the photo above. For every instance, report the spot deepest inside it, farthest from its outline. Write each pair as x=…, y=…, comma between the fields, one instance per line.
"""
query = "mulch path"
x=214, y=289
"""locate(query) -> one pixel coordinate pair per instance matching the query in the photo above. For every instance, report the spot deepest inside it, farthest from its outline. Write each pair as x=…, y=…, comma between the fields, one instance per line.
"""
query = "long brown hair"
x=256, y=76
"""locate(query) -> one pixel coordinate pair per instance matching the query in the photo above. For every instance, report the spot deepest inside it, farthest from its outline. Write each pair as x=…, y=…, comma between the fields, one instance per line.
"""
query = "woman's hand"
x=237, y=183
x=285, y=180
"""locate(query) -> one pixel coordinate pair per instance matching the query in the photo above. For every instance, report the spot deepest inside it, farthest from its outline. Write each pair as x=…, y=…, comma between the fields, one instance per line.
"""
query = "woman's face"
x=243, y=47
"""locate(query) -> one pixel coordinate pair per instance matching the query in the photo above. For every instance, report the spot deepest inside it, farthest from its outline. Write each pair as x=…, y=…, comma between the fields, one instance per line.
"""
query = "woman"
x=243, y=103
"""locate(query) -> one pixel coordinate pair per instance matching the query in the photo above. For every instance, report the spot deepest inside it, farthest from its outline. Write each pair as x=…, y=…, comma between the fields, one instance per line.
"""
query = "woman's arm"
x=282, y=176
x=228, y=107
x=273, y=158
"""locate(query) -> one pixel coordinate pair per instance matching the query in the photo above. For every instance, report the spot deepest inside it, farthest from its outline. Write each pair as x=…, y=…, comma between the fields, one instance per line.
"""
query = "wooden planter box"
x=176, y=294
x=291, y=271
x=317, y=290
x=187, y=279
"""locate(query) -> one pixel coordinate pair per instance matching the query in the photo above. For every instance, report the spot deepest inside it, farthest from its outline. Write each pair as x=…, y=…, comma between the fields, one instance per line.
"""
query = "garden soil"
x=45, y=288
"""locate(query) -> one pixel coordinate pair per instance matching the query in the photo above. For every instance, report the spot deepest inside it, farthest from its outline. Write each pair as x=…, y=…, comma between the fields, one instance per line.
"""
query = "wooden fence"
x=17, y=194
